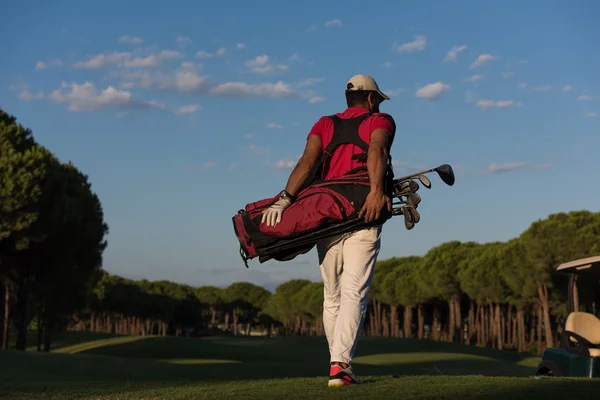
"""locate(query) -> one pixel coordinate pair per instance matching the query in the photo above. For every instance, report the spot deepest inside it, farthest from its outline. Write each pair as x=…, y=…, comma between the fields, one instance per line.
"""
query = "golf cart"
x=579, y=351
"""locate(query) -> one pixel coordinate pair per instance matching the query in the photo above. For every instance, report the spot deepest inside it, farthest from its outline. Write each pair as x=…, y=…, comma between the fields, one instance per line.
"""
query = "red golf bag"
x=322, y=205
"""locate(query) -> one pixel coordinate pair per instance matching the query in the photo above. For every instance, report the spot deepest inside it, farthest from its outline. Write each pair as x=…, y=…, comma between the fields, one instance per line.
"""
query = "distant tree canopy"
x=52, y=236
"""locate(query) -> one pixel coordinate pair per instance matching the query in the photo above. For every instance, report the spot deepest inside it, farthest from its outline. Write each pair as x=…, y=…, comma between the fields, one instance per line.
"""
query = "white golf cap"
x=364, y=82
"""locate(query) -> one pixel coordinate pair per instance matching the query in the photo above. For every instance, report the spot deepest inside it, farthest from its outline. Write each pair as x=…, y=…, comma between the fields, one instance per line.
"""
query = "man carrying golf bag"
x=354, y=142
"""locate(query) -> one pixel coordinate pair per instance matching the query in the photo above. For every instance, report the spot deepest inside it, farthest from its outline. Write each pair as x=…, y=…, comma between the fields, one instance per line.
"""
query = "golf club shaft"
x=413, y=175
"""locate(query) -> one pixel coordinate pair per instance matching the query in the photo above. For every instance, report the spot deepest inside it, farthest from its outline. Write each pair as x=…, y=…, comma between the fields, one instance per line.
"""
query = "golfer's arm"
x=301, y=172
x=377, y=159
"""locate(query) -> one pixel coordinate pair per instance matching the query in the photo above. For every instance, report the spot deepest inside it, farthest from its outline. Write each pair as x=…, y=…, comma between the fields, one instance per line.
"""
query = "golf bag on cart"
x=324, y=208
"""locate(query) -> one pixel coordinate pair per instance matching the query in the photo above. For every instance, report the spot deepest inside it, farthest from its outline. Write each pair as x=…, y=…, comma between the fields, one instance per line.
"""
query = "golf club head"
x=425, y=181
x=446, y=174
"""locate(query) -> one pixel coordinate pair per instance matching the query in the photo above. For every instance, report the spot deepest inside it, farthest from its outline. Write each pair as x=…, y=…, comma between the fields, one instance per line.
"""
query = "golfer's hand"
x=272, y=215
x=373, y=206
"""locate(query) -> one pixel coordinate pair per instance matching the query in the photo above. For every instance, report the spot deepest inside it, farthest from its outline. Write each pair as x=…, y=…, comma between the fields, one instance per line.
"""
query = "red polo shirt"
x=342, y=161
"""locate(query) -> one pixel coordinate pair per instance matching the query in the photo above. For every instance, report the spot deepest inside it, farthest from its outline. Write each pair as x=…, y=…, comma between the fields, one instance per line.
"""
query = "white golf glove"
x=273, y=214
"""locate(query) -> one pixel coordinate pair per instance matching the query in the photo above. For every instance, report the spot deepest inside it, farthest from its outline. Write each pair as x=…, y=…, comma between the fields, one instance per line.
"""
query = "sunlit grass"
x=114, y=367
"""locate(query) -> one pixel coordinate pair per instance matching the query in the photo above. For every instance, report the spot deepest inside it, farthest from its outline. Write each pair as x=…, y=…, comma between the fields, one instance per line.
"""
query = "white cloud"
x=286, y=163
x=188, y=80
x=475, y=78
x=567, y=88
x=393, y=92
x=124, y=59
x=591, y=114
x=544, y=166
x=451, y=55
x=585, y=97
x=101, y=60
x=153, y=60
x=273, y=125
x=203, y=54
x=432, y=91
x=258, y=151
x=27, y=96
x=386, y=64
x=400, y=165
x=189, y=65
x=183, y=39
x=308, y=82
x=249, y=135
x=183, y=80
x=419, y=44
x=240, y=46
x=130, y=39
x=506, y=75
x=242, y=89
x=86, y=97
x=295, y=58
x=189, y=109
x=262, y=65
x=311, y=28
x=482, y=60
x=487, y=104
x=522, y=85
x=496, y=168
x=333, y=23
x=42, y=65
x=316, y=99
x=234, y=167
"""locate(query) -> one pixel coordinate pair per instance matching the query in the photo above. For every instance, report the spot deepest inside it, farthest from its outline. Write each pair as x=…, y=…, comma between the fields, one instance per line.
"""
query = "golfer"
x=347, y=261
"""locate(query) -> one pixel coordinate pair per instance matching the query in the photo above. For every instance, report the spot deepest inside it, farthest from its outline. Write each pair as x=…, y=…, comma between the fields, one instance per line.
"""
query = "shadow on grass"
x=40, y=367
x=286, y=349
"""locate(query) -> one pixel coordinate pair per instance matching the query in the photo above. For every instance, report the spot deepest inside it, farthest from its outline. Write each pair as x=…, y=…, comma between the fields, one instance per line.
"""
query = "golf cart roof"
x=581, y=264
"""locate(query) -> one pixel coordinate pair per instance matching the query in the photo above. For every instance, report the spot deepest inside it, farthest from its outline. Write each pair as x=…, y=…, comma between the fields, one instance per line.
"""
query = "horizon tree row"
x=498, y=294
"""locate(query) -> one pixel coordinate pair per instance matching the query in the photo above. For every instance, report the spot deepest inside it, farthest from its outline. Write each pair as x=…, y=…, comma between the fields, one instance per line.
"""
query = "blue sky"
x=181, y=113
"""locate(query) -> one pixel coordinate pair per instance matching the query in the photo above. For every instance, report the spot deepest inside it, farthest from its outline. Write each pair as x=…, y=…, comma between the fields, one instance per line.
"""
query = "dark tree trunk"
x=544, y=298
x=539, y=331
x=385, y=325
x=22, y=312
x=394, y=321
x=458, y=323
x=472, y=324
x=435, y=325
x=521, y=345
x=451, y=320
x=408, y=316
x=420, y=321
x=40, y=333
x=499, y=327
x=4, y=343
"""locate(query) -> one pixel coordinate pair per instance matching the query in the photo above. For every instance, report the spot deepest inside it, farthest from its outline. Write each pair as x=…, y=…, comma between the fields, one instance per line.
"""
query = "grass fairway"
x=87, y=366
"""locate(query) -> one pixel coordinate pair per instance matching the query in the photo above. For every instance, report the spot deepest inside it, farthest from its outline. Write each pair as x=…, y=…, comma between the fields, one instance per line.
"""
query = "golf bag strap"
x=345, y=131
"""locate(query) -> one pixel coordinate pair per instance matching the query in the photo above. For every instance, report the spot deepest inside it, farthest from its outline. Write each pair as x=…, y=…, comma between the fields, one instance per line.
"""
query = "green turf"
x=113, y=367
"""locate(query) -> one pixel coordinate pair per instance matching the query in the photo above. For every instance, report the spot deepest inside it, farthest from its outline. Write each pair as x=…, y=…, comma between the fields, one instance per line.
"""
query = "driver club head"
x=425, y=181
x=446, y=174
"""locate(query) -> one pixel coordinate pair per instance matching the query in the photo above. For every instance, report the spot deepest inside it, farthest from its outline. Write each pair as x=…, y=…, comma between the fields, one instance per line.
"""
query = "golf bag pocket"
x=316, y=207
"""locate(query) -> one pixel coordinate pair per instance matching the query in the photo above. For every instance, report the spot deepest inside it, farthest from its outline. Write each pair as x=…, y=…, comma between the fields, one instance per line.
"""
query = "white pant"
x=347, y=262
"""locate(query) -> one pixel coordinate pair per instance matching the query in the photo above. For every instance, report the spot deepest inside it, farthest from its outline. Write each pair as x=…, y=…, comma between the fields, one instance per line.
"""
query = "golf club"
x=425, y=181
x=445, y=172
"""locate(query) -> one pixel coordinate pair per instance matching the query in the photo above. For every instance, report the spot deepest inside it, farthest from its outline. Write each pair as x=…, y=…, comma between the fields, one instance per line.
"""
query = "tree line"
x=52, y=235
